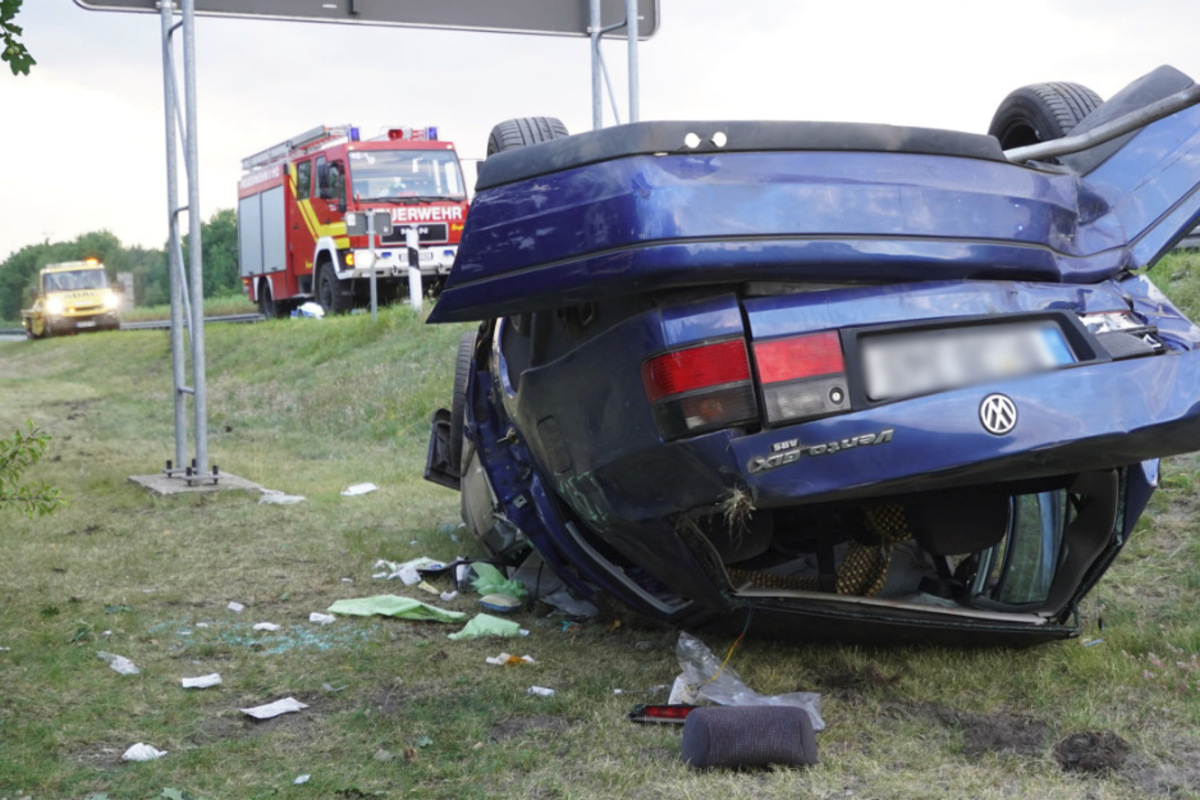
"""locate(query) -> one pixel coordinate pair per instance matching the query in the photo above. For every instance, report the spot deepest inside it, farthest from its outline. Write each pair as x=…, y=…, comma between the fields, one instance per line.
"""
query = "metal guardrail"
x=158, y=324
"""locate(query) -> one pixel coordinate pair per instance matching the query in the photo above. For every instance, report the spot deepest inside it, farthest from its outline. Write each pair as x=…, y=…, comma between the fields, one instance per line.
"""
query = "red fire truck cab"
x=292, y=204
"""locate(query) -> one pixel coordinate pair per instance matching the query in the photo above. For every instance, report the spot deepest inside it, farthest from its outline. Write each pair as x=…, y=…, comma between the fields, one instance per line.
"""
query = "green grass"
x=395, y=709
x=224, y=305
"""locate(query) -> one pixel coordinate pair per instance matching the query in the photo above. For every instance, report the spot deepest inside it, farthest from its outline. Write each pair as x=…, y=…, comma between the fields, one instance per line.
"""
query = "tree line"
x=219, y=251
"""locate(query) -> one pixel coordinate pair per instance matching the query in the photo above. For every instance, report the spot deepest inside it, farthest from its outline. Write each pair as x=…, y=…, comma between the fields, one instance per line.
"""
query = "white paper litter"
x=202, y=682
x=119, y=664
x=265, y=626
x=201, y=624
x=278, y=498
x=274, y=709
x=142, y=752
x=321, y=619
x=408, y=571
x=503, y=658
x=540, y=691
x=302, y=779
x=359, y=488
x=236, y=608
x=448, y=596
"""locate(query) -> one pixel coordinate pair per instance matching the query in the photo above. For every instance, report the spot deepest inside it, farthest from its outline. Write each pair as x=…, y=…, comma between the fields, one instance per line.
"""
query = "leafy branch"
x=18, y=453
x=13, y=51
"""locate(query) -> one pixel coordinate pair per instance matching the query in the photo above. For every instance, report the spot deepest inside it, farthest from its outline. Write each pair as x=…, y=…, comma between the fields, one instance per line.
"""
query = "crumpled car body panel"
x=685, y=390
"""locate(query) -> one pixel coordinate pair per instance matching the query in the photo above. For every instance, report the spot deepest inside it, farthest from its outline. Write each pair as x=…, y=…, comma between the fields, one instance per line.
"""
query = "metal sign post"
x=186, y=284
x=373, y=224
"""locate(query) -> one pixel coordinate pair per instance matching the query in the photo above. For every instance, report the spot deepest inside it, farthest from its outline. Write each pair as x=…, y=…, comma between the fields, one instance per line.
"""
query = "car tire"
x=329, y=293
x=458, y=402
x=522, y=132
x=1040, y=112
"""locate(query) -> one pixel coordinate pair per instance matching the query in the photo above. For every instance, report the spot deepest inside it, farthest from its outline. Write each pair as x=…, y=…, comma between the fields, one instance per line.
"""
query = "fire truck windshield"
x=401, y=174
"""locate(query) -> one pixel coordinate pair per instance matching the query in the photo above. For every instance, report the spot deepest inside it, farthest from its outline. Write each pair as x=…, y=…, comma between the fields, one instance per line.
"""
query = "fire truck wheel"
x=514, y=133
x=458, y=402
x=1041, y=112
x=266, y=302
x=329, y=294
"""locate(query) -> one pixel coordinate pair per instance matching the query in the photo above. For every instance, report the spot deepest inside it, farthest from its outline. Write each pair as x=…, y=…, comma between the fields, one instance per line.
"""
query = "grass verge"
x=395, y=709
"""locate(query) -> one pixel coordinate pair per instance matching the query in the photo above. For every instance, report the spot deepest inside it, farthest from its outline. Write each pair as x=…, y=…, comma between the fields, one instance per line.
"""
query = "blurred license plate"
x=910, y=364
x=91, y=323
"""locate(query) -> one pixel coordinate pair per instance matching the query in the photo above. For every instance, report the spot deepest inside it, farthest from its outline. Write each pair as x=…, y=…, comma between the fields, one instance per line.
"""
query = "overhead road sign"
x=549, y=17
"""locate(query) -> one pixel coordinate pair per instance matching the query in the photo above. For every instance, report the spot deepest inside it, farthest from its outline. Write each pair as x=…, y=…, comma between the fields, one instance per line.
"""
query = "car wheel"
x=522, y=132
x=329, y=293
x=1040, y=112
x=458, y=402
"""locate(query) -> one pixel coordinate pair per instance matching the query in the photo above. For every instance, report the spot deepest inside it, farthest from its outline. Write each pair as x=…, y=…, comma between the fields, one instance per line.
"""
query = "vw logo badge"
x=998, y=414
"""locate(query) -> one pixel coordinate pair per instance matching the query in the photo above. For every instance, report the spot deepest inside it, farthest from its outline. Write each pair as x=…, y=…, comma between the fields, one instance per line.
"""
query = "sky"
x=84, y=139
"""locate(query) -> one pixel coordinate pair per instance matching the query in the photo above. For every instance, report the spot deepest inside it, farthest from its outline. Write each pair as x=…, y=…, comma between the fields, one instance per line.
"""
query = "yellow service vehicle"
x=72, y=296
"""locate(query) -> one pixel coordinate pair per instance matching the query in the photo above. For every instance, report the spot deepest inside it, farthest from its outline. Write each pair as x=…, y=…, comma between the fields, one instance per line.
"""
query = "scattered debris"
x=427, y=587
x=708, y=678
x=448, y=596
x=384, y=755
x=487, y=625
x=308, y=310
x=490, y=580
x=1093, y=751
x=423, y=741
x=409, y=572
x=265, y=626
x=278, y=498
x=119, y=664
x=359, y=488
x=201, y=624
x=301, y=779
x=236, y=608
x=540, y=691
x=202, y=682
x=507, y=659
x=549, y=588
x=500, y=603
x=142, y=752
x=321, y=619
x=1092, y=642
x=750, y=736
x=282, y=706
x=391, y=605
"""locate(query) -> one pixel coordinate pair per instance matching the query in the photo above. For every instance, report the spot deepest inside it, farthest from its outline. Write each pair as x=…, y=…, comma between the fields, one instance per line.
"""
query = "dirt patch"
x=523, y=726
x=1178, y=774
x=849, y=682
x=997, y=732
x=1002, y=732
x=1091, y=751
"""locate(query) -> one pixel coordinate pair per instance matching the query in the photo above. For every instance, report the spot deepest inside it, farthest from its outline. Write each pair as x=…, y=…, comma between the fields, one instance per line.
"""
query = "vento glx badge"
x=790, y=451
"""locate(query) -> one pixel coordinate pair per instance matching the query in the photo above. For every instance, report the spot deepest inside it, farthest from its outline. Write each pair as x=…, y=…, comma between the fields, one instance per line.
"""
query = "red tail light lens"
x=700, y=388
x=802, y=376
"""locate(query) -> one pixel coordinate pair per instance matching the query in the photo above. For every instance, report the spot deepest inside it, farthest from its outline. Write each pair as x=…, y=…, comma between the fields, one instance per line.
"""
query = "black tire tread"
x=458, y=402
x=524, y=131
x=1040, y=112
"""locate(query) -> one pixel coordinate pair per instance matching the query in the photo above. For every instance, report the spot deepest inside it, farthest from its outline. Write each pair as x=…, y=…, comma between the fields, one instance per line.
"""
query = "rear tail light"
x=700, y=389
x=802, y=376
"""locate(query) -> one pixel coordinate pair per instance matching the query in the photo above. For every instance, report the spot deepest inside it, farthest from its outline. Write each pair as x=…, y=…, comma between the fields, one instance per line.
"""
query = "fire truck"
x=292, y=204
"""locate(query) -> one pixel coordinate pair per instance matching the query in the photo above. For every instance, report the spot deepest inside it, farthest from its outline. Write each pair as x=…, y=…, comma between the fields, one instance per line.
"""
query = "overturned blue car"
x=828, y=380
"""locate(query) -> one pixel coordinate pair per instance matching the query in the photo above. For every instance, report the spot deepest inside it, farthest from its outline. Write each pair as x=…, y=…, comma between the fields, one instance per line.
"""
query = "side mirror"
x=341, y=206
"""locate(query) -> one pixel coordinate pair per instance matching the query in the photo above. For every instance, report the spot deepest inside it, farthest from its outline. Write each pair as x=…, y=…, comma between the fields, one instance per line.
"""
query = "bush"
x=17, y=454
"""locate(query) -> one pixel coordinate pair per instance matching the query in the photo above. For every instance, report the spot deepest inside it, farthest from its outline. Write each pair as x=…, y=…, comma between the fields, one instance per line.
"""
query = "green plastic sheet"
x=390, y=605
x=490, y=580
x=487, y=625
